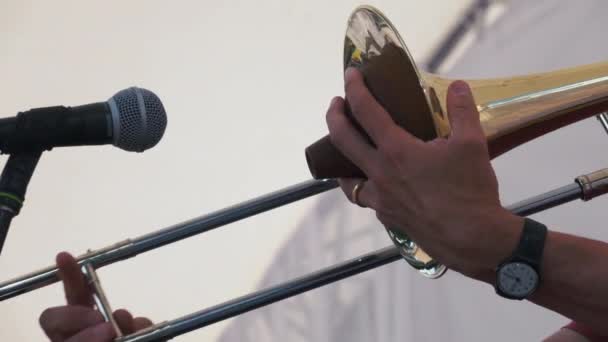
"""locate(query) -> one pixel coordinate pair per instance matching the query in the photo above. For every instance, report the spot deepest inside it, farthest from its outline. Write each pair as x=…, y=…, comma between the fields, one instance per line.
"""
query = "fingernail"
x=460, y=88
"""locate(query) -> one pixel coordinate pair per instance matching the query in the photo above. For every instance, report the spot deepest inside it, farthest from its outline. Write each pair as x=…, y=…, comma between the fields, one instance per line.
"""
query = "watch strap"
x=531, y=243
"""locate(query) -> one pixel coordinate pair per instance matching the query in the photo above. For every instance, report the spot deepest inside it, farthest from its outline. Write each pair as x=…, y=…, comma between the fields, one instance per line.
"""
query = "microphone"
x=133, y=119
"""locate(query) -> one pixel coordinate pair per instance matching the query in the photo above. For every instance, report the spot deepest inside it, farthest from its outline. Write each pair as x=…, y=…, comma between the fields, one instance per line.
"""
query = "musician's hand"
x=442, y=193
x=79, y=321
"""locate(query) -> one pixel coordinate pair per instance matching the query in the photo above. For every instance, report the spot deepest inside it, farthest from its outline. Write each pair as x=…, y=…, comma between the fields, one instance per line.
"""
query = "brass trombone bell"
x=512, y=110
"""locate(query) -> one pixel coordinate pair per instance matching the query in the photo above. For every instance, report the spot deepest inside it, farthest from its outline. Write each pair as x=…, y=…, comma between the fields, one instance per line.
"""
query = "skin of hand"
x=78, y=321
x=442, y=193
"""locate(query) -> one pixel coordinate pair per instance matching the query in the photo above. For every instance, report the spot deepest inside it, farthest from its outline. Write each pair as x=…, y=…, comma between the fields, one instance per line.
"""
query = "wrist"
x=497, y=239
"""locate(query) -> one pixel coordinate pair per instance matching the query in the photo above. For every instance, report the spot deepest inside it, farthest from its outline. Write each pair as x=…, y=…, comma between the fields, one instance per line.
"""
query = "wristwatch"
x=519, y=275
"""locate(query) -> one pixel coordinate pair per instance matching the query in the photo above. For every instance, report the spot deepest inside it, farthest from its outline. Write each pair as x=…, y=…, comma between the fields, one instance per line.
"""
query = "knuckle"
x=471, y=142
x=462, y=105
x=391, y=150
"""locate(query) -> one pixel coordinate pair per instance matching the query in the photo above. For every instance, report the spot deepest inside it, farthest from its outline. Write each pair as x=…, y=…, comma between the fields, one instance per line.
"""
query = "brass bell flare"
x=512, y=110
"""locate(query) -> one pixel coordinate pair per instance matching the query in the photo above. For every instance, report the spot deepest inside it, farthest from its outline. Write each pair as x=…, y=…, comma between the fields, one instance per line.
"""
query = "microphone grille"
x=138, y=119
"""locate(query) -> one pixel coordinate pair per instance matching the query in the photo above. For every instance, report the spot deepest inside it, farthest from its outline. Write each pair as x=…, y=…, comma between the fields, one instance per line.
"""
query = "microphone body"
x=42, y=129
x=133, y=119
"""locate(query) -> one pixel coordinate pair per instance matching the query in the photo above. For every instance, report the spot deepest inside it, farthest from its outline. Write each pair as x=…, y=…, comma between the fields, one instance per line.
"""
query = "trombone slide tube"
x=130, y=248
x=270, y=295
x=337, y=272
x=547, y=200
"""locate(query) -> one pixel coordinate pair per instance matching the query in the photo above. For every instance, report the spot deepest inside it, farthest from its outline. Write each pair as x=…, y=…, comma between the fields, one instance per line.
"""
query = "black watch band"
x=531, y=244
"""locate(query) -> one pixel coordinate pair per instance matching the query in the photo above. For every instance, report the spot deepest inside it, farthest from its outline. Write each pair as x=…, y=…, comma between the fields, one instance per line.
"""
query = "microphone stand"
x=15, y=177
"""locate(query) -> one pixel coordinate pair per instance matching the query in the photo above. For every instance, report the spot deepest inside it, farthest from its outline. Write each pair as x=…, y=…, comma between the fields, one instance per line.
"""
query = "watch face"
x=517, y=279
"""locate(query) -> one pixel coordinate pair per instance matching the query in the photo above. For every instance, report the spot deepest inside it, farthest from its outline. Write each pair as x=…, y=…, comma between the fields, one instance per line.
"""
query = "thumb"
x=462, y=111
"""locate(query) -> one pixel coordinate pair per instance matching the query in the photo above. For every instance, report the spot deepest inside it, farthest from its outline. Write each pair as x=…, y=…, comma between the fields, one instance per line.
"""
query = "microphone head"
x=138, y=119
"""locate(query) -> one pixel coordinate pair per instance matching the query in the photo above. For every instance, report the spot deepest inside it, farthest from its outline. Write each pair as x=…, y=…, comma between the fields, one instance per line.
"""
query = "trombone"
x=586, y=187
x=512, y=111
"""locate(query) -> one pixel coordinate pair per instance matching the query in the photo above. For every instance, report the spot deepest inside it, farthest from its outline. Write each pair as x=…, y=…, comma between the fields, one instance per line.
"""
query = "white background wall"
x=245, y=85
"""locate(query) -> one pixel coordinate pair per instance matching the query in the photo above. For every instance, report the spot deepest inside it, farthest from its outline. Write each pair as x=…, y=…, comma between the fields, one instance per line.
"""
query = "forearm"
x=575, y=280
x=574, y=277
